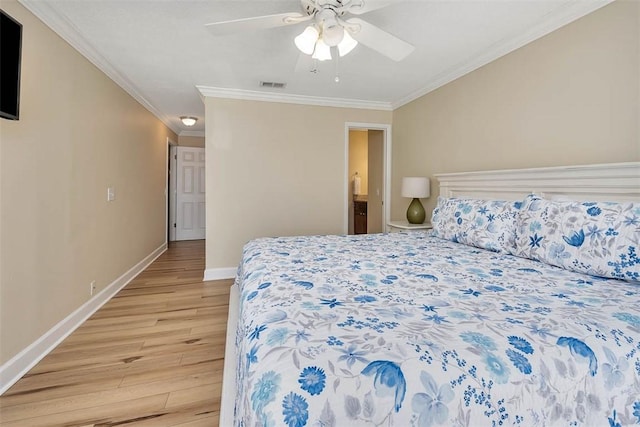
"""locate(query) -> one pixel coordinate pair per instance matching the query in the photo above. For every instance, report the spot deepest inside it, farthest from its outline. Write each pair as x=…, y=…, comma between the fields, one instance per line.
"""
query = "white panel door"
x=190, y=212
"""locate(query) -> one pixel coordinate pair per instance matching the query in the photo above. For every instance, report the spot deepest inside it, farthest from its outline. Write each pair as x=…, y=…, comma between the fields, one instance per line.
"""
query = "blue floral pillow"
x=597, y=238
x=487, y=224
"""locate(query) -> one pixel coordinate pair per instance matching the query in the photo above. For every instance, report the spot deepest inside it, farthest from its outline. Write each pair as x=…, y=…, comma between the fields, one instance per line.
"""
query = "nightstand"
x=394, y=226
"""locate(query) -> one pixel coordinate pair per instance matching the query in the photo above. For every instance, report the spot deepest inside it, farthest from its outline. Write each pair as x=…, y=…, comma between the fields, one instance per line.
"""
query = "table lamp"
x=416, y=187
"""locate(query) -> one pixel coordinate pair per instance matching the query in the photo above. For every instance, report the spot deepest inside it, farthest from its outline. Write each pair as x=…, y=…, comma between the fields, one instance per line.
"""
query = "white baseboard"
x=21, y=363
x=220, y=273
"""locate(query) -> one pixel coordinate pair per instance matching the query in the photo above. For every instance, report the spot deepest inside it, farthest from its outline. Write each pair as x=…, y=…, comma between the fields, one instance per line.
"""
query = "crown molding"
x=64, y=28
x=197, y=133
x=252, y=95
x=558, y=18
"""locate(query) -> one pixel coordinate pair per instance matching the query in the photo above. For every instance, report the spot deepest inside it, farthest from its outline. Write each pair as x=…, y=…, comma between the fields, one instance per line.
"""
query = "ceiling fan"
x=331, y=30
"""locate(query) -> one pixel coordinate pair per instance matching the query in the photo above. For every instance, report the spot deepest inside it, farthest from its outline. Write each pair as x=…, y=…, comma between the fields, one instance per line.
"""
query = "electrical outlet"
x=92, y=287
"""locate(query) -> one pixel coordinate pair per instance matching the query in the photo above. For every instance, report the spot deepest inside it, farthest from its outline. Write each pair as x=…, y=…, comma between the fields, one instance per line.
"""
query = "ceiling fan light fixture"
x=306, y=41
x=347, y=44
x=322, y=52
x=332, y=32
x=188, y=121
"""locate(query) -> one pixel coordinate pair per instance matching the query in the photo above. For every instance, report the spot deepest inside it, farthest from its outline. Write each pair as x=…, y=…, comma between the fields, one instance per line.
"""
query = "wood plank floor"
x=151, y=356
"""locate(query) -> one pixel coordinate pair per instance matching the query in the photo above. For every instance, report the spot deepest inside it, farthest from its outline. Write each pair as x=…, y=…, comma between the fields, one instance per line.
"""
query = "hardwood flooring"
x=151, y=356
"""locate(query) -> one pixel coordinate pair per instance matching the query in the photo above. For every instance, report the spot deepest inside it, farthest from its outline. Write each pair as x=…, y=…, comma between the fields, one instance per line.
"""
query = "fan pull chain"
x=336, y=55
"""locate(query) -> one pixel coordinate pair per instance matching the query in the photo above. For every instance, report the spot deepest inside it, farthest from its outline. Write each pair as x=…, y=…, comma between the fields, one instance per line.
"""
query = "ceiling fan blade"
x=257, y=23
x=378, y=40
x=360, y=7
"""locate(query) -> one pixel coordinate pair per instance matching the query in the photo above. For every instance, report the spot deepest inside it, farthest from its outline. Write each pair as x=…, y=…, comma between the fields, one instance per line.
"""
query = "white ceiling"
x=160, y=50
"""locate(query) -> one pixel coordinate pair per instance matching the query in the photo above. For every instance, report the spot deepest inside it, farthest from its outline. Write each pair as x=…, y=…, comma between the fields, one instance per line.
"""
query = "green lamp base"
x=415, y=213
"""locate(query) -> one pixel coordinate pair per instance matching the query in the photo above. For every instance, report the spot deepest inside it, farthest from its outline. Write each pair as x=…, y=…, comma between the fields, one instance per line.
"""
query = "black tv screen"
x=10, y=53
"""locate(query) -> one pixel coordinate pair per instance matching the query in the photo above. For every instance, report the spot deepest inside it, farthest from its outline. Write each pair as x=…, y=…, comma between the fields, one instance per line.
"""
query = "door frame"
x=170, y=180
x=386, y=170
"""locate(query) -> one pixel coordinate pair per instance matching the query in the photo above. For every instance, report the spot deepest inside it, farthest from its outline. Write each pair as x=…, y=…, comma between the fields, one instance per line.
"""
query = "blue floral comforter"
x=406, y=329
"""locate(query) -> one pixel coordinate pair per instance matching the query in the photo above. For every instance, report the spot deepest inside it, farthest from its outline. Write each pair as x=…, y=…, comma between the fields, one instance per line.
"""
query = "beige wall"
x=191, y=141
x=358, y=145
x=571, y=97
x=78, y=133
x=284, y=174
x=375, y=160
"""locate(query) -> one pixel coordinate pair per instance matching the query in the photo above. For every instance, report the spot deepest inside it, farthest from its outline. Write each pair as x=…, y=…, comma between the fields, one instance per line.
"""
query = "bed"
x=454, y=326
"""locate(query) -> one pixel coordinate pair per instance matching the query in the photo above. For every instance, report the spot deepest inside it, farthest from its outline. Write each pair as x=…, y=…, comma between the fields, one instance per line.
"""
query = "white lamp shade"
x=416, y=187
x=347, y=44
x=306, y=41
x=322, y=52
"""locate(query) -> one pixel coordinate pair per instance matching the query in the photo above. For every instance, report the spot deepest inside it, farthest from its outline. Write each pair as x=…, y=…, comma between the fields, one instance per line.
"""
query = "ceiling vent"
x=274, y=85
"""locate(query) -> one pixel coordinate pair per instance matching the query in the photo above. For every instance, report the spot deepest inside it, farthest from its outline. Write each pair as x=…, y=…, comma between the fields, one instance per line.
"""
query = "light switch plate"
x=111, y=194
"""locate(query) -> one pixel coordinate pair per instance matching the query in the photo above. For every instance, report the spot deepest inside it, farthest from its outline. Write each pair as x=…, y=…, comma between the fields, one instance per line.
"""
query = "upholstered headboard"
x=603, y=182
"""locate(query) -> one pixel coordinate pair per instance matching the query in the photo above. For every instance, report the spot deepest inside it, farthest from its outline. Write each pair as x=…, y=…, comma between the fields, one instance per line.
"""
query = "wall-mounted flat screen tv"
x=10, y=54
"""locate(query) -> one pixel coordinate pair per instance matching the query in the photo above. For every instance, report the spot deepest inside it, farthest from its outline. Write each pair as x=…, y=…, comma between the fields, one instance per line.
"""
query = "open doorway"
x=367, y=178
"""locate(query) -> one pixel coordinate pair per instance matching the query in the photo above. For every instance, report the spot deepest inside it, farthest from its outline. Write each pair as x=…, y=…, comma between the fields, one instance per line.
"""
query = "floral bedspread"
x=407, y=329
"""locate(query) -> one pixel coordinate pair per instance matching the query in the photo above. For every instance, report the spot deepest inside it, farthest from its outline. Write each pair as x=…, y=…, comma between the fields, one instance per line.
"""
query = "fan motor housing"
x=312, y=7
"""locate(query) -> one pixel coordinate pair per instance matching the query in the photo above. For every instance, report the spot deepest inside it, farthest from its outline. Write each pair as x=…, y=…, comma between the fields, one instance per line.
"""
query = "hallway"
x=151, y=356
